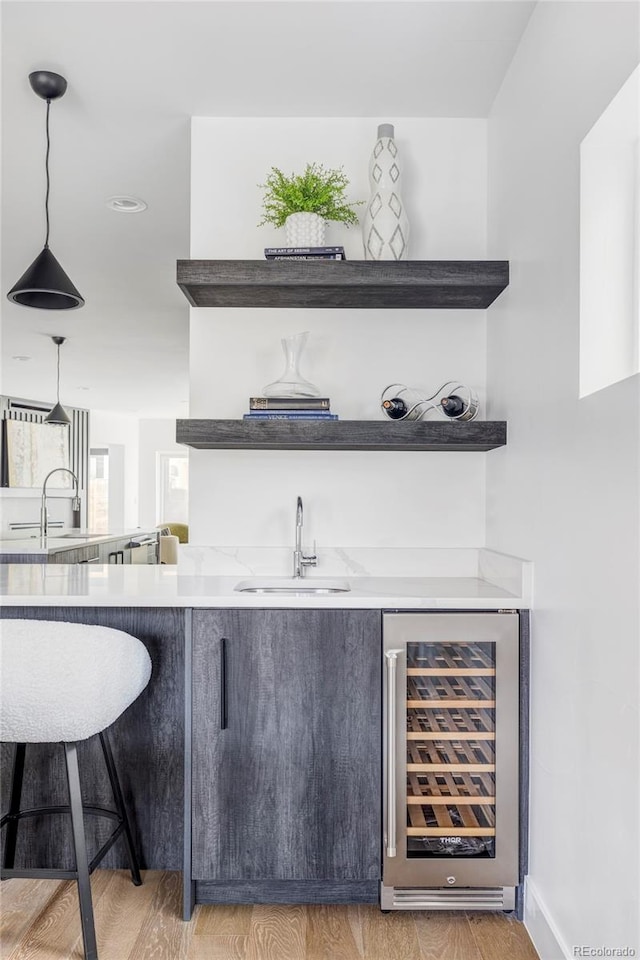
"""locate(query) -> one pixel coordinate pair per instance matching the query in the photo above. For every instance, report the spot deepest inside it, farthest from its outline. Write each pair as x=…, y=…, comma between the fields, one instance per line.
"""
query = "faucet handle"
x=310, y=560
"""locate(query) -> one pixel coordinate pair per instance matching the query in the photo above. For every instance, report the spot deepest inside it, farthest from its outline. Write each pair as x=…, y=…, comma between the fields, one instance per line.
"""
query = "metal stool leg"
x=11, y=838
x=121, y=808
x=80, y=849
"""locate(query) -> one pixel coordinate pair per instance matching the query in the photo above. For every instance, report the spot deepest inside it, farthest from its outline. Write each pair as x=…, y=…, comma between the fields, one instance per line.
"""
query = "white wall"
x=155, y=436
x=564, y=491
x=351, y=499
x=119, y=433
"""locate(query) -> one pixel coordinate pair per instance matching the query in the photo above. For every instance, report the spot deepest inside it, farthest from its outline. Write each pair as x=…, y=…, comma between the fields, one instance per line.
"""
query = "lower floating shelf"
x=430, y=435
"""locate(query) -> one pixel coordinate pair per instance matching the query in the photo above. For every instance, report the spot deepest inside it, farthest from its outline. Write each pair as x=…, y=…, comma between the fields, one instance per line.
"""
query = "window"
x=98, y=513
x=172, y=473
x=610, y=243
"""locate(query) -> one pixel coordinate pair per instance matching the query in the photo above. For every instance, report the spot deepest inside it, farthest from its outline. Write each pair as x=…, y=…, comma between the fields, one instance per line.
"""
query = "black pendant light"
x=58, y=414
x=45, y=284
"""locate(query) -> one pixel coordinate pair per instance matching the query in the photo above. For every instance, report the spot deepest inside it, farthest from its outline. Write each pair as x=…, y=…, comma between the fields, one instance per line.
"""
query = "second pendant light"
x=58, y=414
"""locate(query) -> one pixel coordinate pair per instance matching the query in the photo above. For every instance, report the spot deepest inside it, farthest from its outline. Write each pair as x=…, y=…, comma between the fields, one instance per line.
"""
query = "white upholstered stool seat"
x=61, y=683
x=66, y=681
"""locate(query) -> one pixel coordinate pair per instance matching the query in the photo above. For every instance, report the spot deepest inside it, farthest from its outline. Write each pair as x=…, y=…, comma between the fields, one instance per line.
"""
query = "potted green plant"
x=302, y=203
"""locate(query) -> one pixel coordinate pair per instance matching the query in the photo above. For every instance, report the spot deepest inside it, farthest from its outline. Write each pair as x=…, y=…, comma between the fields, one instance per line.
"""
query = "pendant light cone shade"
x=45, y=285
x=58, y=414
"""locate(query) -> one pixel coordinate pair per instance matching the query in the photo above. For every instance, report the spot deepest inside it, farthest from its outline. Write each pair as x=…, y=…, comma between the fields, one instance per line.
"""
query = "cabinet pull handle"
x=121, y=555
x=113, y=554
x=392, y=661
x=223, y=684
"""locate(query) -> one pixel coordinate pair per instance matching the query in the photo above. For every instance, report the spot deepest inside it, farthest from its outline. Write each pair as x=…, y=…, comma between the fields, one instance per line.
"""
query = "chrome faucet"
x=300, y=561
x=44, y=515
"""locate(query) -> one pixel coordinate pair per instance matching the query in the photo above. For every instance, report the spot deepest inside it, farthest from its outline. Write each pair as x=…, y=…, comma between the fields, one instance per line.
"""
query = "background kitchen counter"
x=65, y=540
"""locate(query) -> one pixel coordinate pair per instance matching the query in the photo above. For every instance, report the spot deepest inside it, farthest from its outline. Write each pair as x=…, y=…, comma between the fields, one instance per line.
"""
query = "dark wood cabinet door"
x=290, y=788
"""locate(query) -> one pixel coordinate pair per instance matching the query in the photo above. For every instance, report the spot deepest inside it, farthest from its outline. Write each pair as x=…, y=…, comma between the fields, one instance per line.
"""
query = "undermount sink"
x=291, y=585
x=78, y=536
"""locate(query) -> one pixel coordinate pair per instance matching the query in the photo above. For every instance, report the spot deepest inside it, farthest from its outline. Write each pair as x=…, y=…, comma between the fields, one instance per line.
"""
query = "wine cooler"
x=451, y=776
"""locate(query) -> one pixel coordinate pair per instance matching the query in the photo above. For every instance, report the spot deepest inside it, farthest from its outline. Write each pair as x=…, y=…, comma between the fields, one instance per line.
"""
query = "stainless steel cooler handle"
x=392, y=661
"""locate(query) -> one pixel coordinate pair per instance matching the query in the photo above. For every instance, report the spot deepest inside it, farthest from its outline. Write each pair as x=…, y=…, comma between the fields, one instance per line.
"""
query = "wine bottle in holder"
x=453, y=401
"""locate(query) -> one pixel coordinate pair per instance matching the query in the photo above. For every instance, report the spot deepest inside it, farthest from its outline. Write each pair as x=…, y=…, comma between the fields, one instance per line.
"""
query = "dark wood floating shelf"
x=436, y=284
x=433, y=435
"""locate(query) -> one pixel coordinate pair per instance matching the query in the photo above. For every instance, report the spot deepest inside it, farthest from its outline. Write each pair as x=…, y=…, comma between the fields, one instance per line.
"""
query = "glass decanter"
x=292, y=383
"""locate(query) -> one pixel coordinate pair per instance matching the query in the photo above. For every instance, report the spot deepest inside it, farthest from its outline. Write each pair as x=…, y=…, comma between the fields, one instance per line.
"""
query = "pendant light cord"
x=46, y=199
x=58, y=380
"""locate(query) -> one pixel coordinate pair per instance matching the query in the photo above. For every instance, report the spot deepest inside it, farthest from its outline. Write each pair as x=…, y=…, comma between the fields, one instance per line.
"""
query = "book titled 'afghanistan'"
x=289, y=403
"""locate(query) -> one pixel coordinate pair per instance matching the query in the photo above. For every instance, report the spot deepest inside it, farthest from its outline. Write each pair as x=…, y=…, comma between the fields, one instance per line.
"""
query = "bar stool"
x=67, y=682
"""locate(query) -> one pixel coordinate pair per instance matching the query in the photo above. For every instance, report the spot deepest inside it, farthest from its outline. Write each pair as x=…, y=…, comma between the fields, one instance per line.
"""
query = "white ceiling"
x=137, y=71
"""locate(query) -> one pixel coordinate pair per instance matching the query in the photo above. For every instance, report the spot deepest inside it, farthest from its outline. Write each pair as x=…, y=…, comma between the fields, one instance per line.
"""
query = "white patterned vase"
x=385, y=225
x=304, y=230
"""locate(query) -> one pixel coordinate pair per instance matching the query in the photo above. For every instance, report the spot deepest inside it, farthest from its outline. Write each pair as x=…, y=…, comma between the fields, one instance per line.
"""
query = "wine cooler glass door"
x=452, y=749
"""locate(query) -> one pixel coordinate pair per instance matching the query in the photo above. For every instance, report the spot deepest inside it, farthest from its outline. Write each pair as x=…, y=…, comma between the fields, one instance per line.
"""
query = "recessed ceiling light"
x=21, y=358
x=126, y=204
x=84, y=388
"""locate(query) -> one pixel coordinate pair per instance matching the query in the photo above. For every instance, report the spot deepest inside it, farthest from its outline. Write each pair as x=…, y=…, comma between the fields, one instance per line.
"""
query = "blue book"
x=290, y=415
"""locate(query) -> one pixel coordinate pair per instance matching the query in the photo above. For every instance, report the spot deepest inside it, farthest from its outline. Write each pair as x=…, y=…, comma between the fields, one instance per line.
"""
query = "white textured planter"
x=304, y=230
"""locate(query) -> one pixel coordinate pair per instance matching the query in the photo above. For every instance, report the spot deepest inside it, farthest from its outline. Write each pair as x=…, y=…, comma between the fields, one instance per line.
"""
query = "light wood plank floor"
x=40, y=922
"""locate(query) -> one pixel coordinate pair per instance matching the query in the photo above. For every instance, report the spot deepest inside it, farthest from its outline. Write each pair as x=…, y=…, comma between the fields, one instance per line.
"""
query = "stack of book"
x=290, y=408
x=304, y=253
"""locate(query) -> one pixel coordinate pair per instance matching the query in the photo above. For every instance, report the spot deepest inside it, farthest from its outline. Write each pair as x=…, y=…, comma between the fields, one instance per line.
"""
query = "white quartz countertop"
x=104, y=585
x=65, y=540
